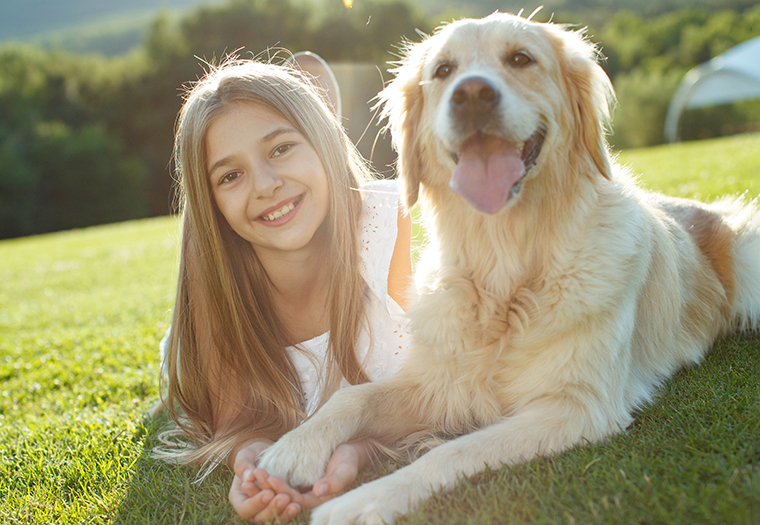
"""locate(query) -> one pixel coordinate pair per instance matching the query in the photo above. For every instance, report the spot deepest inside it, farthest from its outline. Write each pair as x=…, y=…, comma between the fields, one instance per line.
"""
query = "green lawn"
x=81, y=314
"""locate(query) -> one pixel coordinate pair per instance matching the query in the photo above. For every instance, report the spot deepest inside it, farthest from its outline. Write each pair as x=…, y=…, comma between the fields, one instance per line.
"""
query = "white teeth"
x=279, y=213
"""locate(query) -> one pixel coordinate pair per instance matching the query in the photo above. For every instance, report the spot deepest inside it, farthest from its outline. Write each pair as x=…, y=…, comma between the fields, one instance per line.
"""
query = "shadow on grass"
x=160, y=493
x=692, y=456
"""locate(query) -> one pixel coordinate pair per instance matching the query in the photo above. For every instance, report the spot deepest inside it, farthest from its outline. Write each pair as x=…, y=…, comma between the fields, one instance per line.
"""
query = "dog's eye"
x=520, y=59
x=443, y=71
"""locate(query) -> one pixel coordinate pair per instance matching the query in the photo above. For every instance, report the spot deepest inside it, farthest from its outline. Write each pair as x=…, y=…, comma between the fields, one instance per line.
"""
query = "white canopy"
x=730, y=77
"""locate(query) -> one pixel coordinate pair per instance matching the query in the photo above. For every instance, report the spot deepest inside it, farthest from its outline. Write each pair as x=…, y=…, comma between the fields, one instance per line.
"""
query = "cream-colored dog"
x=559, y=294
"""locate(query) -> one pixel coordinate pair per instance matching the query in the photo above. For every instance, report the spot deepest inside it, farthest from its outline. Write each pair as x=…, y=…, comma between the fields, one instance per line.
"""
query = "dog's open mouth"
x=490, y=170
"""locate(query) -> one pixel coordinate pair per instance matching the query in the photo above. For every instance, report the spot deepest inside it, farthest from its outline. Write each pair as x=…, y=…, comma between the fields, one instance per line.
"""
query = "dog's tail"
x=744, y=219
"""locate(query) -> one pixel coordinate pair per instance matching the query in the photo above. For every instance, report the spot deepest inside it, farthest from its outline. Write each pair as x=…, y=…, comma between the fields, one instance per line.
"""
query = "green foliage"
x=255, y=25
x=89, y=140
x=716, y=121
x=59, y=167
x=643, y=98
x=647, y=58
x=85, y=140
x=82, y=312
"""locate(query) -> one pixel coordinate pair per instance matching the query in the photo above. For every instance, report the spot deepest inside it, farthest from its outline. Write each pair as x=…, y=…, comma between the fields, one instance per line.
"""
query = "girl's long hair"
x=220, y=275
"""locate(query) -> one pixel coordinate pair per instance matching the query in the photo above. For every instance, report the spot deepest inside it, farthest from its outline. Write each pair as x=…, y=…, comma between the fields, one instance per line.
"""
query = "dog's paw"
x=371, y=504
x=297, y=459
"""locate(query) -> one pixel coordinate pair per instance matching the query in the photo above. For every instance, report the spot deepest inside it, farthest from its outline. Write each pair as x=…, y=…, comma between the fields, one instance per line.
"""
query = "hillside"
x=24, y=19
x=109, y=27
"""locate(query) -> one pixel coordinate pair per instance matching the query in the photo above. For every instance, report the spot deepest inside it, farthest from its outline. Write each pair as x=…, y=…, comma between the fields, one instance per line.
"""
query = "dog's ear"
x=401, y=102
x=590, y=95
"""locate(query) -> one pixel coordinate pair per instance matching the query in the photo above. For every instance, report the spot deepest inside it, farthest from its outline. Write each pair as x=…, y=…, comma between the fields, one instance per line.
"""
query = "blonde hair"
x=220, y=271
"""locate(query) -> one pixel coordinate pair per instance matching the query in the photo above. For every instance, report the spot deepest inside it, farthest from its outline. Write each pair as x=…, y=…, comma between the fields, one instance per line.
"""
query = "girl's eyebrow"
x=220, y=162
x=275, y=133
x=266, y=138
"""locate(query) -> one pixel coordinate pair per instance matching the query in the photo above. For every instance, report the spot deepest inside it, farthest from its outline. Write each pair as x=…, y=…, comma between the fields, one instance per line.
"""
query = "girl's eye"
x=229, y=177
x=282, y=149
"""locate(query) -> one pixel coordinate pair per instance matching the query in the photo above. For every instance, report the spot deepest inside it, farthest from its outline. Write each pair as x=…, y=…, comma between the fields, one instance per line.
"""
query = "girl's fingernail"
x=247, y=475
x=320, y=489
x=267, y=497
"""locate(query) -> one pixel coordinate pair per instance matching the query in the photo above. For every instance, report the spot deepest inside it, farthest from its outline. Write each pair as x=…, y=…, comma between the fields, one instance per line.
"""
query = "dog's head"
x=478, y=105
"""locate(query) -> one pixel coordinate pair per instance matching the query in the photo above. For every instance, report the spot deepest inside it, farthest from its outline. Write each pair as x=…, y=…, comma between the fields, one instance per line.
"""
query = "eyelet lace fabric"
x=380, y=351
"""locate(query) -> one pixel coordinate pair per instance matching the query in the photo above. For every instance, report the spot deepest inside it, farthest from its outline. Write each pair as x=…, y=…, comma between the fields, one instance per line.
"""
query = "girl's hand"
x=342, y=469
x=257, y=503
x=259, y=497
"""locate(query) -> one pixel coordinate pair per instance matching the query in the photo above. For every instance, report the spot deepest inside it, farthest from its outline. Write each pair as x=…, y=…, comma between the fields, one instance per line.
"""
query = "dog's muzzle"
x=491, y=166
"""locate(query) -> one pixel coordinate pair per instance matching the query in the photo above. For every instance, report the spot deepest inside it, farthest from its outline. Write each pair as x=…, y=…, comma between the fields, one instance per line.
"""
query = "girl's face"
x=266, y=178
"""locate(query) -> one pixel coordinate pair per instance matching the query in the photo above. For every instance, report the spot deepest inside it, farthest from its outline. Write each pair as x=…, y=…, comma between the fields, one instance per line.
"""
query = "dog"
x=557, y=295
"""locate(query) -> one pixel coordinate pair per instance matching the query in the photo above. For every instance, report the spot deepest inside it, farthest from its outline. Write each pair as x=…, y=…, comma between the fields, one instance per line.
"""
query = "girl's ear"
x=591, y=97
x=401, y=102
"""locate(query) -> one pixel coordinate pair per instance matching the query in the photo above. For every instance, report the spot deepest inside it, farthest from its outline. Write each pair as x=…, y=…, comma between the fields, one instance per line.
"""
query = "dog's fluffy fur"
x=554, y=303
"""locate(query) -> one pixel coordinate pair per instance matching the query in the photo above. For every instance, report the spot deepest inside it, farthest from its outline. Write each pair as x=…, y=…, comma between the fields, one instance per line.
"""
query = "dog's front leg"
x=301, y=455
x=542, y=429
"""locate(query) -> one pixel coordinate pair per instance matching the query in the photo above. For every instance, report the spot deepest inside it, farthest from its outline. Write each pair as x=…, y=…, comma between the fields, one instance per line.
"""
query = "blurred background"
x=90, y=89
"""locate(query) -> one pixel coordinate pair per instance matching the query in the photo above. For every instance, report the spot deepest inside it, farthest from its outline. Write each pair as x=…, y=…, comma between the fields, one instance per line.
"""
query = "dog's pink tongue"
x=486, y=172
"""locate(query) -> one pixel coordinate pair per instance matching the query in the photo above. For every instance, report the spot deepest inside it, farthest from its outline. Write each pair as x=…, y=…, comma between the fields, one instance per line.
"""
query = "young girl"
x=292, y=279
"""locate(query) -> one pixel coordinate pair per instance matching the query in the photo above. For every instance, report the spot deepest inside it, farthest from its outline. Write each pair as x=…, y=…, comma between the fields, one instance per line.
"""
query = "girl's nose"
x=265, y=183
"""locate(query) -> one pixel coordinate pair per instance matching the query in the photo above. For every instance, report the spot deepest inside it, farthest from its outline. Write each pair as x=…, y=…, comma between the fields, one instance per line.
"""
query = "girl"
x=292, y=279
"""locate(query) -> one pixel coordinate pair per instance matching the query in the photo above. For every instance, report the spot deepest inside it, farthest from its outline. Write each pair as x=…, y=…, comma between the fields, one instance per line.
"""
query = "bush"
x=57, y=177
x=643, y=99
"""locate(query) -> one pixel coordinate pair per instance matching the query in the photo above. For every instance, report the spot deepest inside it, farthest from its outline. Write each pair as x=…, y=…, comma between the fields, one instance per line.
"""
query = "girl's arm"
x=400, y=272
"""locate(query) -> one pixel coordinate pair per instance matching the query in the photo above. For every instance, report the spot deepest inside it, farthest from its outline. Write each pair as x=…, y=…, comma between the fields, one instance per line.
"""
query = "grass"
x=81, y=314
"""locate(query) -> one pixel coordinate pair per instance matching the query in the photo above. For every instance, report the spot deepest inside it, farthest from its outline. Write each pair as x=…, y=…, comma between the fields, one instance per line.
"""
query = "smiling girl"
x=292, y=279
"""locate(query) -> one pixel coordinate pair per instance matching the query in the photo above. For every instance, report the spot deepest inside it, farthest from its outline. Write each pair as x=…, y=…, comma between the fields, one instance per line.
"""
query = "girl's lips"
x=293, y=205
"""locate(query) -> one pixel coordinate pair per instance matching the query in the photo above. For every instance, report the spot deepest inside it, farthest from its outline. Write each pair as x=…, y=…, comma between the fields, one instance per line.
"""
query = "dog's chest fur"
x=502, y=342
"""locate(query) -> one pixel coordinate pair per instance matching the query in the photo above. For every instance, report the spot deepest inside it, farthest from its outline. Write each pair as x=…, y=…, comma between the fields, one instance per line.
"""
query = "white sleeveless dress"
x=378, y=229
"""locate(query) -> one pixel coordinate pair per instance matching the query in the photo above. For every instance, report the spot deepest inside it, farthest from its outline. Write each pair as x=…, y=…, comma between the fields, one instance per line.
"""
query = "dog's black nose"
x=474, y=95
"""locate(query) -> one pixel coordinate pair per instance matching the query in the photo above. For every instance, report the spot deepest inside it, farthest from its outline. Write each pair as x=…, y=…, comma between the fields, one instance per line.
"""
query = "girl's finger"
x=278, y=507
x=262, y=478
x=335, y=483
x=280, y=487
x=289, y=512
x=341, y=472
x=305, y=500
x=249, y=488
x=248, y=508
x=241, y=486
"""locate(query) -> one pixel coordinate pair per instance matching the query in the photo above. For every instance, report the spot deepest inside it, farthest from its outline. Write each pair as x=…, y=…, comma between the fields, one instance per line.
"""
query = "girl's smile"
x=266, y=179
x=281, y=213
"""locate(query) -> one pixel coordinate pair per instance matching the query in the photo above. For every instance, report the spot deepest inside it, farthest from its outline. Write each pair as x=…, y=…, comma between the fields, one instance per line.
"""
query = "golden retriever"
x=558, y=294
